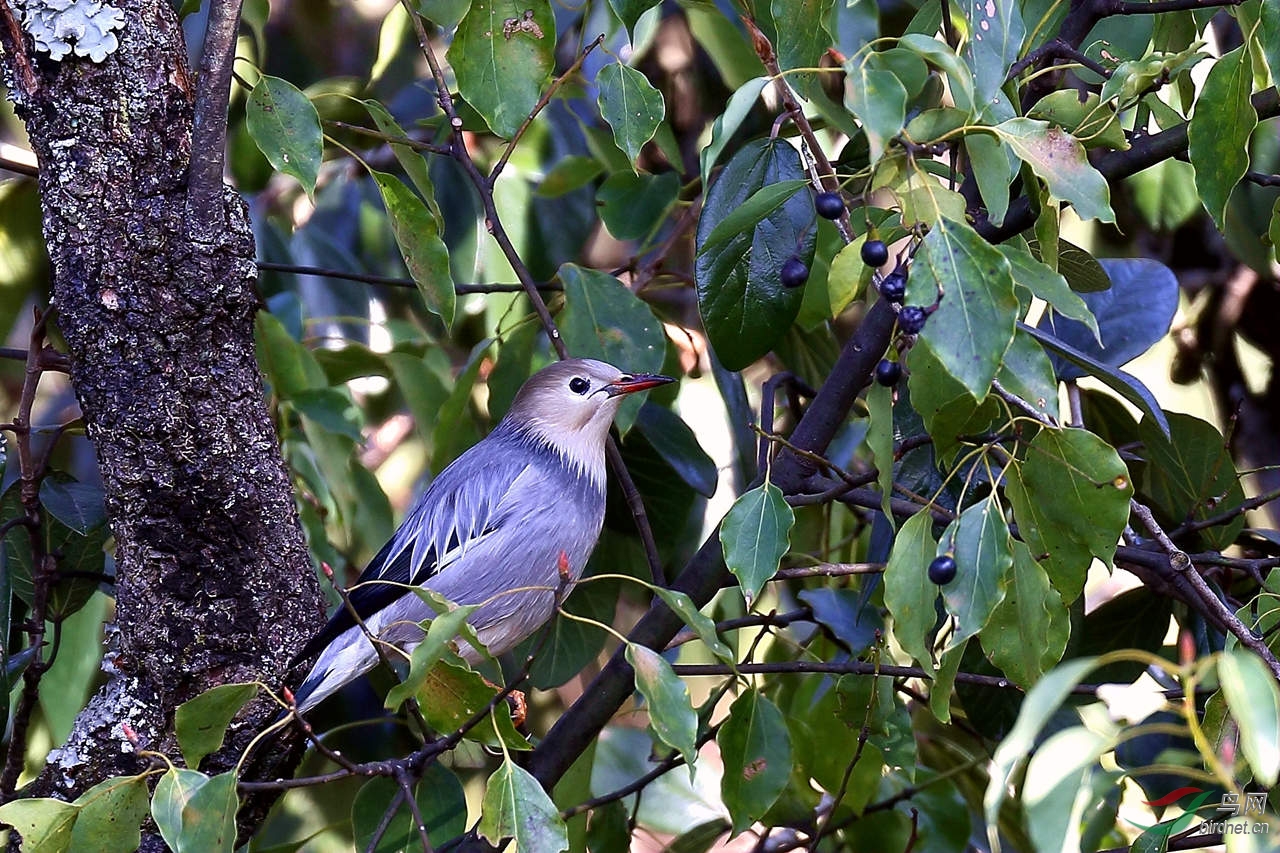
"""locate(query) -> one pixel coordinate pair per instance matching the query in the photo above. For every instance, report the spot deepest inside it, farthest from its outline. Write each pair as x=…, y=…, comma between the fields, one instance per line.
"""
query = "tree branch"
x=205, y=210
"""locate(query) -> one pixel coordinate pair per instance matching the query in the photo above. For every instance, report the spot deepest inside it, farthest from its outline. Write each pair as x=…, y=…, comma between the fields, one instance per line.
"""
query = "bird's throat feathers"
x=579, y=446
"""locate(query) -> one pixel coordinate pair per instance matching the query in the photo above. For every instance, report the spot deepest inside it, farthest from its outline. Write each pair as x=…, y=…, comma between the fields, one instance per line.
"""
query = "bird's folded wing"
x=451, y=517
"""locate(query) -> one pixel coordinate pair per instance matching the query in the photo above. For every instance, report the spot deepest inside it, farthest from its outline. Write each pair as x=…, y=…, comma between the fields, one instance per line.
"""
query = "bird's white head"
x=570, y=404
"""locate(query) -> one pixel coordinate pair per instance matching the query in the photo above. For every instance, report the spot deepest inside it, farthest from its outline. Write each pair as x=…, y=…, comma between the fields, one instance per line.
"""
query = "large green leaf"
x=1048, y=285
x=800, y=45
x=603, y=319
x=631, y=106
x=1219, y=131
x=974, y=323
x=1254, y=701
x=908, y=593
x=1059, y=160
x=754, y=536
x=745, y=307
x=451, y=695
x=502, y=54
x=1096, y=125
x=678, y=446
x=516, y=807
x=441, y=631
x=417, y=234
x=80, y=557
x=728, y=122
x=756, y=749
x=996, y=32
x=46, y=825
x=1027, y=632
x=1070, y=497
x=879, y=100
x=196, y=813
x=671, y=716
x=201, y=723
x=1027, y=372
x=111, y=815
x=1192, y=476
x=983, y=551
x=633, y=205
x=413, y=162
x=992, y=173
x=285, y=126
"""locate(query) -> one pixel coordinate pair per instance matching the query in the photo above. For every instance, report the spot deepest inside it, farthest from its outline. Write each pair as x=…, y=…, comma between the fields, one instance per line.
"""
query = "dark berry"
x=894, y=286
x=911, y=319
x=942, y=570
x=829, y=205
x=888, y=372
x=875, y=253
x=794, y=273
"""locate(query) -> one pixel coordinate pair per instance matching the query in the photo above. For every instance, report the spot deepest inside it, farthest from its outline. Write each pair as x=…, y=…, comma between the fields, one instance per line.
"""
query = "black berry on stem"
x=942, y=570
x=888, y=372
x=911, y=319
x=829, y=205
x=894, y=286
x=875, y=253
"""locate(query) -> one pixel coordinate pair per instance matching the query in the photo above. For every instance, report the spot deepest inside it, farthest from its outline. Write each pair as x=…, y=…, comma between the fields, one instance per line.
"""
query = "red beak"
x=630, y=383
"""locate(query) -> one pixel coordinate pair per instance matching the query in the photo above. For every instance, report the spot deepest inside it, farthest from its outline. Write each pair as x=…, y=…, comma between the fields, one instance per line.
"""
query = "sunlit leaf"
x=201, y=723
x=754, y=536
x=1059, y=160
x=285, y=126
x=1219, y=131
x=502, y=54
x=516, y=807
x=631, y=106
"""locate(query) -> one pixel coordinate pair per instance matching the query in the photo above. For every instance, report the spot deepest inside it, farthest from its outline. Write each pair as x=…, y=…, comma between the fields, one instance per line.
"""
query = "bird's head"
x=570, y=405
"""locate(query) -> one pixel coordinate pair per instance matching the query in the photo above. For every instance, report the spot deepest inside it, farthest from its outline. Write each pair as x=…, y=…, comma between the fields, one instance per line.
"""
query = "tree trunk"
x=213, y=581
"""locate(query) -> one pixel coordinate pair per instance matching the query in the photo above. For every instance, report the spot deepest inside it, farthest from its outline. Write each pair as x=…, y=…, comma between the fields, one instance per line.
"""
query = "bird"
x=506, y=526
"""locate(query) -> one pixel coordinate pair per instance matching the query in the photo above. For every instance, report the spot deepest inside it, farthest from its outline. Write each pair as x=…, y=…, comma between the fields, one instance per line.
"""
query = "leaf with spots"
x=1059, y=160
x=996, y=32
x=983, y=552
x=631, y=106
x=515, y=806
x=671, y=714
x=417, y=234
x=1070, y=497
x=502, y=54
x=285, y=126
x=756, y=749
x=1219, y=130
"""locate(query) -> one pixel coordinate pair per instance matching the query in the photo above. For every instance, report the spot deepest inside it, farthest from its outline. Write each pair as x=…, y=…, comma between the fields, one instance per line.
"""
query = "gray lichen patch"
x=84, y=27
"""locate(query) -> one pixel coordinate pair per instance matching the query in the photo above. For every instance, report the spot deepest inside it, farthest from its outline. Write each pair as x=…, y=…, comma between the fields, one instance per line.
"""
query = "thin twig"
x=392, y=281
x=391, y=138
x=538, y=107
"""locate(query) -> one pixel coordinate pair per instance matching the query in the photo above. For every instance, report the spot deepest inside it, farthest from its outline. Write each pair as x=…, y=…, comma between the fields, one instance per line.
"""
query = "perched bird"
x=498, y=527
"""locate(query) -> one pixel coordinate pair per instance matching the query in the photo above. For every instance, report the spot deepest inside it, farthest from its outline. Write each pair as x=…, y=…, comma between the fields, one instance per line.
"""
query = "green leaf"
x=1070, y=497
x=1117, y=380
x=196, y=813
x=603, y=319
x=633, y=206
x=573, y=644
x=111, y=815
x=979, y=540
x=441, y=631
x=45, y=824
x=441, y=803
x=909, y=595
x=1041, y=702
x=285, y=126
x=75, y=553
x=201, y=723
x=756, y=749
x=974, y=323
x=629, y=11
x=701, y=624
x=413, y=162
x=502, y=54
x=1027, y=632
x=568, y=174
x=1059, y=160
x=1219, y=130
x=77, y=505
x=451, y=695
x=1269, y=38
x=1048, y=285
x=417, y=234
x=1027, y=372
x=516, y=807
x=996, y=32
x=728, y=122
x=1059, y=786
x=944, y=405
x=671, y=716
x=879, y=100
x=1165, y=194
x=1192, y=476
x=331, y=409
x=941, y=56
x=1254, y=701
x=631, y=106
x=880, y=441
x=754, y=536
x=1093, y=123
x=745, y=307
x=992, y=173
x=800, y=46
x=750, y=213
x=289, y=365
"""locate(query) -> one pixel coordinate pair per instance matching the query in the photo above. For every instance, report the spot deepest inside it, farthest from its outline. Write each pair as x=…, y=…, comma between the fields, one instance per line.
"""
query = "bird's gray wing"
x=458, y=510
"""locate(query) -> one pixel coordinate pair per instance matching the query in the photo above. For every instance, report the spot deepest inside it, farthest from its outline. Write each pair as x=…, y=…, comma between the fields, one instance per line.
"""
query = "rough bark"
x=213, y=580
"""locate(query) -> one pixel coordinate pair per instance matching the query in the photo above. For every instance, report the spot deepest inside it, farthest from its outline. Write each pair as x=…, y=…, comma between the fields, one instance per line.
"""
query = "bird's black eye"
x=578, y=385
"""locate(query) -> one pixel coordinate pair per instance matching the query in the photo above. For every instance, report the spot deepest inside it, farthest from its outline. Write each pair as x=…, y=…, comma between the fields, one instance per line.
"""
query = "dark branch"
x=209, y=125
